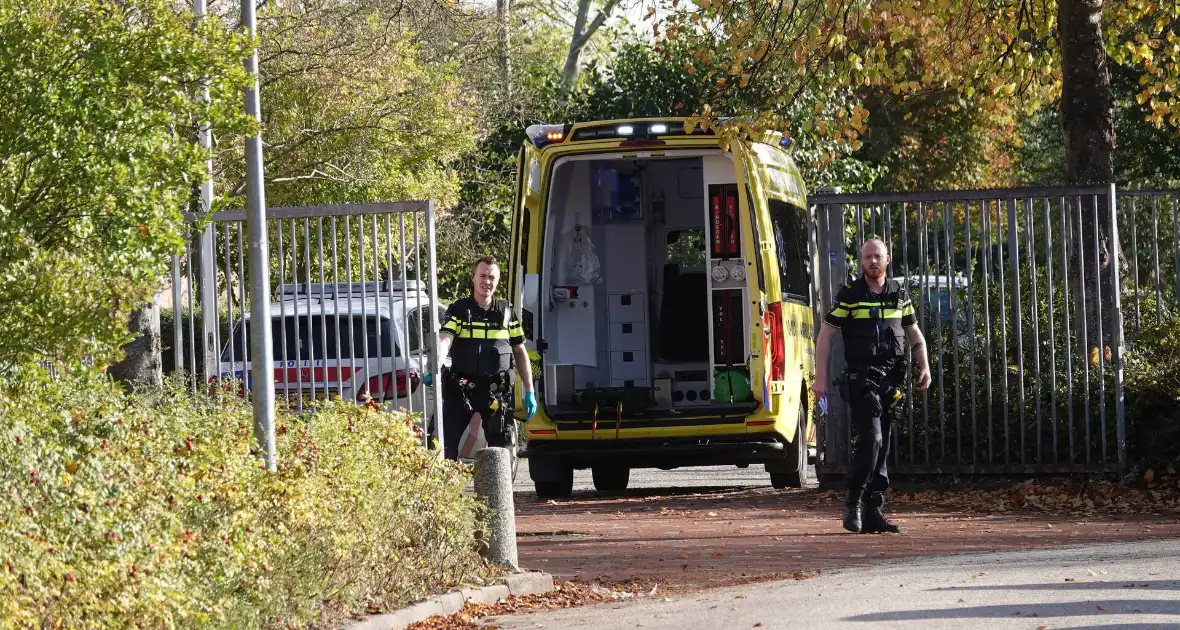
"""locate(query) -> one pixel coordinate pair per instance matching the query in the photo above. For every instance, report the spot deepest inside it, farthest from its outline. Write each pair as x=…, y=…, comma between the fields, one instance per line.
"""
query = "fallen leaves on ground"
x=1044, y=496
x=565, y=595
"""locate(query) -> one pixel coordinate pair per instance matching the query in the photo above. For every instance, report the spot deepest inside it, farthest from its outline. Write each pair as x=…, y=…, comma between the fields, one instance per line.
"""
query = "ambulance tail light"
x=774, y=337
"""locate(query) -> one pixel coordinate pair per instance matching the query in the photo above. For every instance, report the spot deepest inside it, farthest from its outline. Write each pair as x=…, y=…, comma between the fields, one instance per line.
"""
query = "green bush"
x=153, y=510
x=1153, y=396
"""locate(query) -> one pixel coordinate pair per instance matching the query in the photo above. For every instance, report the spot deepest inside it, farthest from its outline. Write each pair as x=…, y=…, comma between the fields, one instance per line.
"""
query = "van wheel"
x=560, y=488
x=610, y=479
x=791, y=470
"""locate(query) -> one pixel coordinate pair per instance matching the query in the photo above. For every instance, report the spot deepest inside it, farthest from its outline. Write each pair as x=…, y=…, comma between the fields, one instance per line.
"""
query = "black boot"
x=874, y=516
x=852, y=512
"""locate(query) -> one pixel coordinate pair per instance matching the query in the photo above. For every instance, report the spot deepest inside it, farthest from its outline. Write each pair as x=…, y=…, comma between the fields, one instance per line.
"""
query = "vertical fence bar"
x=177, y=313
x=1017, y=320
x=1155, y=247
x=1034, y=304
x=338, y=331
x=1004, y=328
x=389, y=275
x=192, y=323
x=401, y=237
x=295, y=316
x=360, y=246
x=1117, y=335
x=388, y=297
x=1083, y=324
x=381, y=369
x=434, y=324
x=355, y=388
x=1066, y=244
x=952, y=302
x=890, y=269
x=986, y=247
x=210, y=337
x=1052, y=332
x=310, y=323
x=247, y=352
x=1099, y=343
x=860, y=227
x=324, y=311
x=923, y=304
x=972, y=257
x=937, y=325
x=418, y=301
x=282, y=314
x=1176, y=249
x=905, y=257
x=229, y=301
x=1135, y=264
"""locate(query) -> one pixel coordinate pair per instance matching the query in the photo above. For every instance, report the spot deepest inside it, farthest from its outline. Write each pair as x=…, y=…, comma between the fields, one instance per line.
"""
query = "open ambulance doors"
x=632, y=278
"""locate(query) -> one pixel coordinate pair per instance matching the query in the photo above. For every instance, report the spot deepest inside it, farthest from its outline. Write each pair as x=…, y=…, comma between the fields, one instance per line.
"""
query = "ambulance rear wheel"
x=560, y=488
x=610, y=479
x=791, y=470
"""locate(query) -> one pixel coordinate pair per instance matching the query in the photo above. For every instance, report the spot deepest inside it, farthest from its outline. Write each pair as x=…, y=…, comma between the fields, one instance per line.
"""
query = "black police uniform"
x=480, y=376
x=874, y=350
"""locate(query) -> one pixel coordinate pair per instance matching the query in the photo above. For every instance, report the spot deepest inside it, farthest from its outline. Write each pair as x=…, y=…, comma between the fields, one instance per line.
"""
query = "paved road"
x=1122, y=585
x=702, y=477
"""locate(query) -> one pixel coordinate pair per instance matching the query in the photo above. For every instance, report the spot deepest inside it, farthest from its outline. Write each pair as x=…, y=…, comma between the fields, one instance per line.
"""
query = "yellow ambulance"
x=662, y=274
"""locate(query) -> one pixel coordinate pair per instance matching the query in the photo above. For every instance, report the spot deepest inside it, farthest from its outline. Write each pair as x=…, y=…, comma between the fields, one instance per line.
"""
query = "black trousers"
x=498, y=425
x=872, y=419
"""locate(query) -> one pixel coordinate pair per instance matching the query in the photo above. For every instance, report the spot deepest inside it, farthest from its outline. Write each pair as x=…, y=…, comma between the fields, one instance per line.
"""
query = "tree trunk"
x=569, y=73
x=504, y=17
x=1087, y=123
x=140, y=366
x=582, y=34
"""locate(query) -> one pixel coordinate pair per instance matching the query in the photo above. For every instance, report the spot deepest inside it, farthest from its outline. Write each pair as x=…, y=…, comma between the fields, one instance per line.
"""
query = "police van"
x=663, y=279
x=354, y=341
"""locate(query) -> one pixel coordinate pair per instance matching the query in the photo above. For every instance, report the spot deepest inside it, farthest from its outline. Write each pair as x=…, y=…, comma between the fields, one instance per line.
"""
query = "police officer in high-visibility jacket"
x=483, y=337
x=876, y=318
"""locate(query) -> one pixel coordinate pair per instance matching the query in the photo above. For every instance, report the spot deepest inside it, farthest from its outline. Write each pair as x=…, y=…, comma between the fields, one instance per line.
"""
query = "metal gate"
x=354, y=303
x=1023, y=316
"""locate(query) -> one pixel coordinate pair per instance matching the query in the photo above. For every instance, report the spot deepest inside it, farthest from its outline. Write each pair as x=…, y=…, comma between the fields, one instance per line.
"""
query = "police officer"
x=482, y=336
x=876, y=318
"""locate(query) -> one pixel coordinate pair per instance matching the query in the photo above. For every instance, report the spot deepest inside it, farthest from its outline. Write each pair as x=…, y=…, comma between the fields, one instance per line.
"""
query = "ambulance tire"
x=558, y=486
x=791, y=472
x=610, y=479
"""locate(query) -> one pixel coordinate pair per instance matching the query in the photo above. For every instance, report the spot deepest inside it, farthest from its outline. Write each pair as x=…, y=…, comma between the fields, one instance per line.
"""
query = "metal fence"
x=1023, y=307
x=352, y=289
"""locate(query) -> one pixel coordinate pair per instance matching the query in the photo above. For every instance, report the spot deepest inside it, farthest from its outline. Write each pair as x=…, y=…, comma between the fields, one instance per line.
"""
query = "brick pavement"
x=701, y=540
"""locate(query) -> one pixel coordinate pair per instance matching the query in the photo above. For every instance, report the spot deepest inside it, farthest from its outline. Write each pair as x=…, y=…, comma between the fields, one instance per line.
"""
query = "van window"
x=790, y=235
x=352, y=339
x=412, y=325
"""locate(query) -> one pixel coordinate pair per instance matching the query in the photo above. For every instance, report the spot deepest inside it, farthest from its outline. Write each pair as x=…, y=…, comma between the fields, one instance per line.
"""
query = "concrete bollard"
x=493, y=484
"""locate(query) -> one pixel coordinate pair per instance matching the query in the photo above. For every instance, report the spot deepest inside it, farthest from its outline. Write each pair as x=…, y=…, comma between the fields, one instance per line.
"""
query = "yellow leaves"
x=691, y=69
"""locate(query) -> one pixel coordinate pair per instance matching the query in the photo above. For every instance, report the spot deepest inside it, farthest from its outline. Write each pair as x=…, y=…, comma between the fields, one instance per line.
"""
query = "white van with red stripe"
x=344, y=340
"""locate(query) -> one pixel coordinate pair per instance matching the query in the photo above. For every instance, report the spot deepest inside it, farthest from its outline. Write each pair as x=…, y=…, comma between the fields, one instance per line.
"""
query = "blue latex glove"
x=530, y=404
x=428, y=379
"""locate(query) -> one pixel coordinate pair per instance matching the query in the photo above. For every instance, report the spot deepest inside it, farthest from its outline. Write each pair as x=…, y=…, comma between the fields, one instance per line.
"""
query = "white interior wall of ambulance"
x=643, y=321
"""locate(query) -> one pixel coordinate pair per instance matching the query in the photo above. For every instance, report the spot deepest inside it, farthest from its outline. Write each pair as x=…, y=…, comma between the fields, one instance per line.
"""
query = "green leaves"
x=97, y=161
x=153, y=511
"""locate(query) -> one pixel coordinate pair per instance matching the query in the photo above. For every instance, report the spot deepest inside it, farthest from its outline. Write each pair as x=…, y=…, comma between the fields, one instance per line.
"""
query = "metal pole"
x=1117, y=333
x=262, y=382
x=208, y=269
x=435, y=372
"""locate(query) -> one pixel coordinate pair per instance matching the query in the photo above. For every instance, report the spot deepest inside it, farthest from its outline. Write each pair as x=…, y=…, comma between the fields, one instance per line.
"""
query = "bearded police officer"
x=483, y=337
x=876, y=318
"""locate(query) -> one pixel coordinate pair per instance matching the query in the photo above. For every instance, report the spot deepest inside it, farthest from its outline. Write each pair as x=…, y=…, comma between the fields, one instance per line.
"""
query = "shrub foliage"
x=152, y=510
